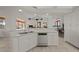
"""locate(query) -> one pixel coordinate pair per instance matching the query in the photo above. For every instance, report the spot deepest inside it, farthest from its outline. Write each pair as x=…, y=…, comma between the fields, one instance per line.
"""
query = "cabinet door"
x=67, y=27
x=32, y=38
x=52, y=39
x=27, y=42
x=23, y=44
x=14, y=44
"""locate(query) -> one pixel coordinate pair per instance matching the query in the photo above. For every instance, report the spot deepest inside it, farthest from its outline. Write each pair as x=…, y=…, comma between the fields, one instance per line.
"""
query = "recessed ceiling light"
x=20, y=10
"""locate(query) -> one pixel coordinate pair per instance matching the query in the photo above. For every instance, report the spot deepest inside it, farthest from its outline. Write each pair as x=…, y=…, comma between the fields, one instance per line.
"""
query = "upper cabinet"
x=2, y=22
x=38, y=23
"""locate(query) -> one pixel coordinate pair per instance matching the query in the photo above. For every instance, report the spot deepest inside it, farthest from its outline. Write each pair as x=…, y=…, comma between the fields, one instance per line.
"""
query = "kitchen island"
x=24, y=41
x=51, y=35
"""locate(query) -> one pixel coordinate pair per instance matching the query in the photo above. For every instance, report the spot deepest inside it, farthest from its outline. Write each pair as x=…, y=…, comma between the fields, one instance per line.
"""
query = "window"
x=20, y=24
x=2, y=22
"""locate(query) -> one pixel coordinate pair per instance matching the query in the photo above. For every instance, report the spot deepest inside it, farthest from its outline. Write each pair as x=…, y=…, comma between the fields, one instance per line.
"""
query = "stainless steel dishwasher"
x=42, y=39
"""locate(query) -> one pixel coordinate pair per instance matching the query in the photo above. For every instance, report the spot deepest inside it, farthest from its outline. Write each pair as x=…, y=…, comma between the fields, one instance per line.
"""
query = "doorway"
x=61, y=31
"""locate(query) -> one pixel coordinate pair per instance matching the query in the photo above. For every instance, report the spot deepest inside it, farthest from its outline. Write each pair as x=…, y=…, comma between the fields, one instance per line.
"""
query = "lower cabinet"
x=27, y=42
x=24, y=43
x=53, y=38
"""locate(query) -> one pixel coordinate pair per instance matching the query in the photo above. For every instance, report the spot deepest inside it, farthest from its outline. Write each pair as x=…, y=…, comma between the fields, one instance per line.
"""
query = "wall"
x=71, y=25
x=12, y=14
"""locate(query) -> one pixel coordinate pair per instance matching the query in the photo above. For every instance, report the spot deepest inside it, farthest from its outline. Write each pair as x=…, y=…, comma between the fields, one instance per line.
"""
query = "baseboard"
x=30, y=48
x=72, y=44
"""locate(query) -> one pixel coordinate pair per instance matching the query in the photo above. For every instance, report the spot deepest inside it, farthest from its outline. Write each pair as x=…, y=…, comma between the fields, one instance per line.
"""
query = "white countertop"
x=48, y=30
x=35, y=30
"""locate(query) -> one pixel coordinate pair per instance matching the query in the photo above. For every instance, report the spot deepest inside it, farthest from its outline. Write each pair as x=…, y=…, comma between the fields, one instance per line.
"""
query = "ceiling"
x=42, y=9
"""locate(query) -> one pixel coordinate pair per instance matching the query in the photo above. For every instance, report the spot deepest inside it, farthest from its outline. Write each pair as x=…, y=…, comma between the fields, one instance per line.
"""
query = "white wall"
x=71, y=24
x=12, y=14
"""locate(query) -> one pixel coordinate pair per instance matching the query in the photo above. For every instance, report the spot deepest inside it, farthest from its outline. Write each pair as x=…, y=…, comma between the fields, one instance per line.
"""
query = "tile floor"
x=62, y=47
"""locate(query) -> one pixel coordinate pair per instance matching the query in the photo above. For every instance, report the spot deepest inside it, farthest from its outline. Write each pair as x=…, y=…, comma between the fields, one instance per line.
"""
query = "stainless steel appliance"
x=42, y=40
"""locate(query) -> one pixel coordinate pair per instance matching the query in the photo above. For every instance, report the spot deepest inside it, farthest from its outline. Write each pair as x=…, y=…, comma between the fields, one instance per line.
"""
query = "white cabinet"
x=67, y=27
x=32, y=40
x=24, y=42
x=53, y=38
x=72, y=30
x=27, y=42
x=14, y=44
